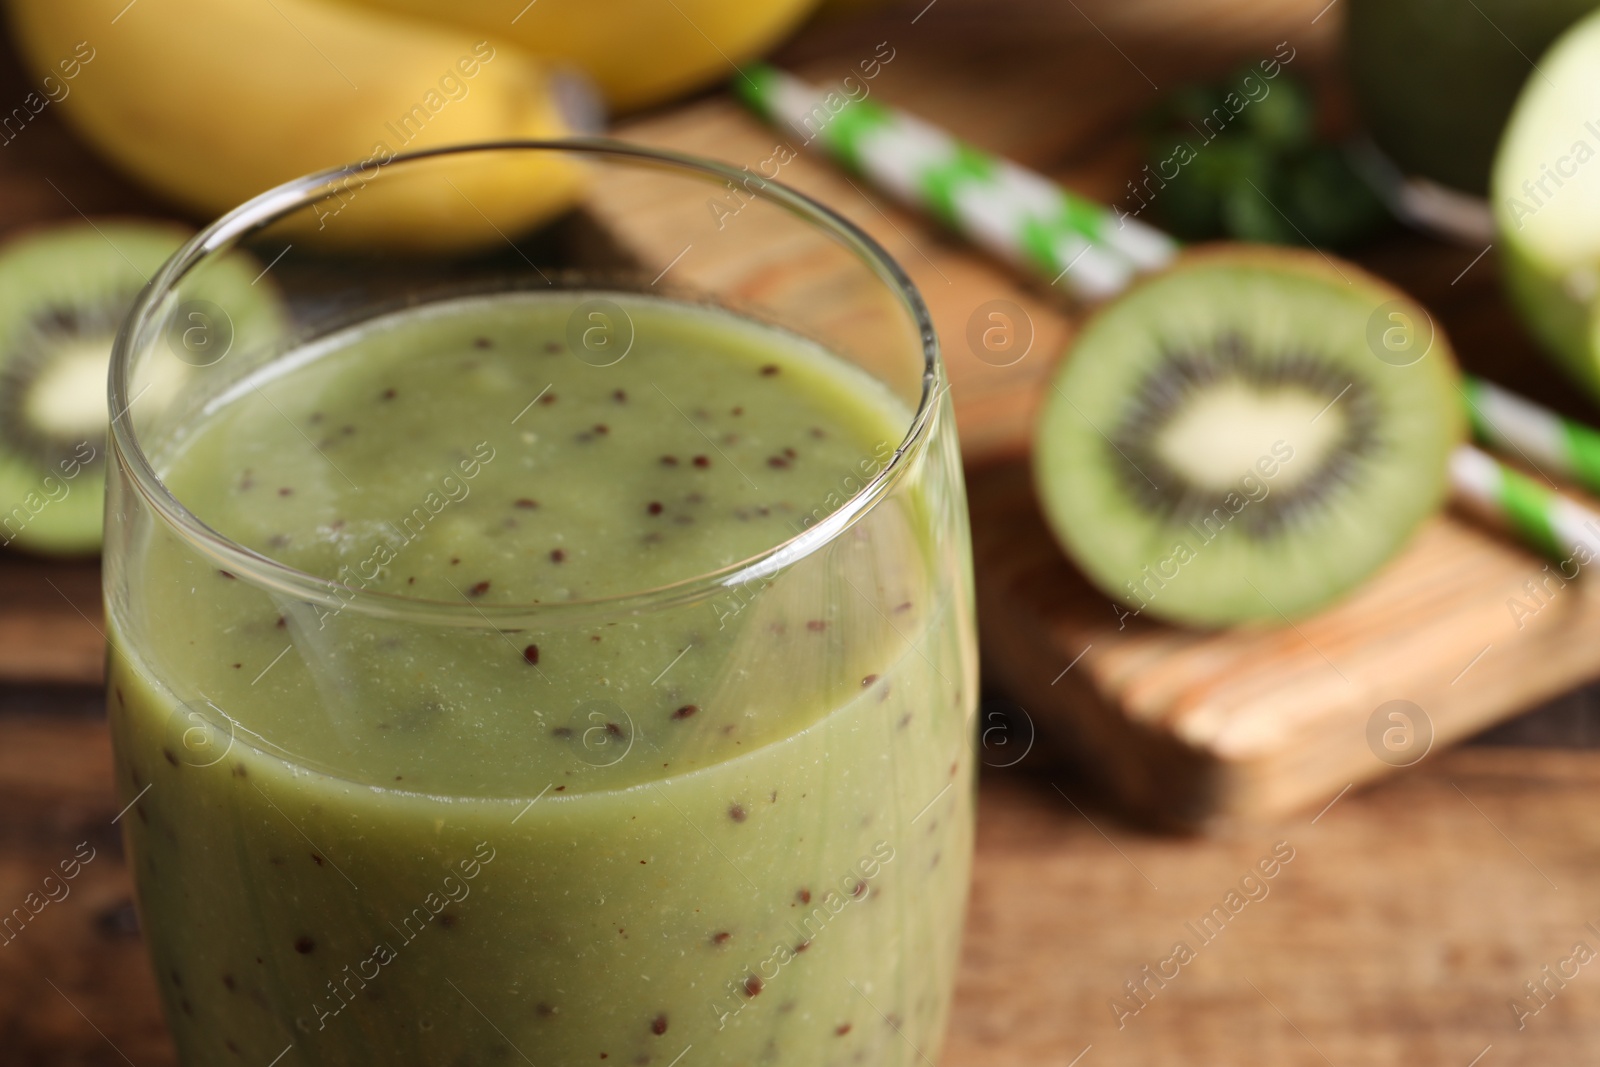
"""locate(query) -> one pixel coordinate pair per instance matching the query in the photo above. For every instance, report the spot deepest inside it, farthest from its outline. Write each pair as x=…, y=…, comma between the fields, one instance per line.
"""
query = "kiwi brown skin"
x=1082, y=524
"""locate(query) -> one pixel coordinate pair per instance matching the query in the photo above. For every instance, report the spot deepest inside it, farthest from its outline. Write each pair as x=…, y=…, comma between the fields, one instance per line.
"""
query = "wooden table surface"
x=1406, y=922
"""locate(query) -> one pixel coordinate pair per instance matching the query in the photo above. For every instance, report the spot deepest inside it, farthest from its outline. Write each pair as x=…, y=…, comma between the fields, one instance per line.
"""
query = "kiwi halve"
x=1224, y=442
x=64, y=292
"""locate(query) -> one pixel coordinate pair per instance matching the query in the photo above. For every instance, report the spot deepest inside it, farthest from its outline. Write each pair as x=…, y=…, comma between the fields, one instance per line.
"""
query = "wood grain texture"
x=1409, y=916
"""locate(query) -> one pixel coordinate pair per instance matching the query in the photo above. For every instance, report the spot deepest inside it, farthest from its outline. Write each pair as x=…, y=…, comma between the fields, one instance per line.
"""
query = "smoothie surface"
x=480, y=449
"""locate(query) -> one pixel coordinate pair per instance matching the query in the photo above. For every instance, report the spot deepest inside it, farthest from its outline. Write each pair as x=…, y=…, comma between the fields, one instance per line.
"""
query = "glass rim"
x=261, y=570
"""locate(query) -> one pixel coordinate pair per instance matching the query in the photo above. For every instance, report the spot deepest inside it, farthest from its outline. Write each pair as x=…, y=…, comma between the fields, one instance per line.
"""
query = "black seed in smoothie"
x=388, y=394
x=721, y=937
x=527, y=503
x=654, y=507
x=818, y=432
x=479, y=588
x=802, y=946
x=769, y=370
x=753, y=985
x=227, y=981
x=481, y=342
x=658, y=1025
x=239, y=771
x=816, y=626
x=686, y=711
x=613, y=729
x=238, y=666
x=318, y=860
x=903, y=607
x=454, y=560
x=669, y=461
x=283, y=623
x=122, y=701
x=547, y=399
x=619, y=396
x=552, y=347
x=905, y=720
x=226, y=575
x=562, y=732
x=286, y=491
x=530, y=655
x=804, y=895
x=232, y=1047
x=446, y=920
x=841, y=1029
x=304, y=945
x=868, y=680
x=737, y=813
x=557, y=555
x=167, y=752
x=702, y=462
x=601, y=428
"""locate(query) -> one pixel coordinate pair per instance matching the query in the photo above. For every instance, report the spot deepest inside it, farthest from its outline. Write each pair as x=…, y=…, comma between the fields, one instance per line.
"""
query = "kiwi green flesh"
x=1221, y=445
x=63, y=295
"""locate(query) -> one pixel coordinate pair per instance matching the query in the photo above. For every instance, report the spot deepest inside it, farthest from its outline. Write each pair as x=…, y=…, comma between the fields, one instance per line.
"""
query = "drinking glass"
x=724, y=819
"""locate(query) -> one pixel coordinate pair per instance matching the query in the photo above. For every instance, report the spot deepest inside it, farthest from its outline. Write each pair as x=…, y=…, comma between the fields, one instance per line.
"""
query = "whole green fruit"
x=1435, y=79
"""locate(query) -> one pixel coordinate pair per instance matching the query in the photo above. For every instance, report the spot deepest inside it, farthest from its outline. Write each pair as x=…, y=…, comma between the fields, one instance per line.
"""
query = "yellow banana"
x=213, y=101
x=641, y=52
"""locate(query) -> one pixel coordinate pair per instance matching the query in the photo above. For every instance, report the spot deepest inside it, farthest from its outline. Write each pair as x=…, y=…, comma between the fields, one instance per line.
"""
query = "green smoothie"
x=734, y=828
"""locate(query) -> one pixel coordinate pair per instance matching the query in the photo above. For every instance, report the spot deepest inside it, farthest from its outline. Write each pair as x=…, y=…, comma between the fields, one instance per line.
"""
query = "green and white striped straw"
x=1507, y=423
x=1011, y=212
x=1542, y=518
x=1022, y=217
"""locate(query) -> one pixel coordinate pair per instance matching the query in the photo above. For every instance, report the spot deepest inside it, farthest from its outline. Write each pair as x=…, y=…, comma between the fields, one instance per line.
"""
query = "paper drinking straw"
x=1560, y=528
x=1507, y=423
x=1025, y=219
x=1011, y=212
